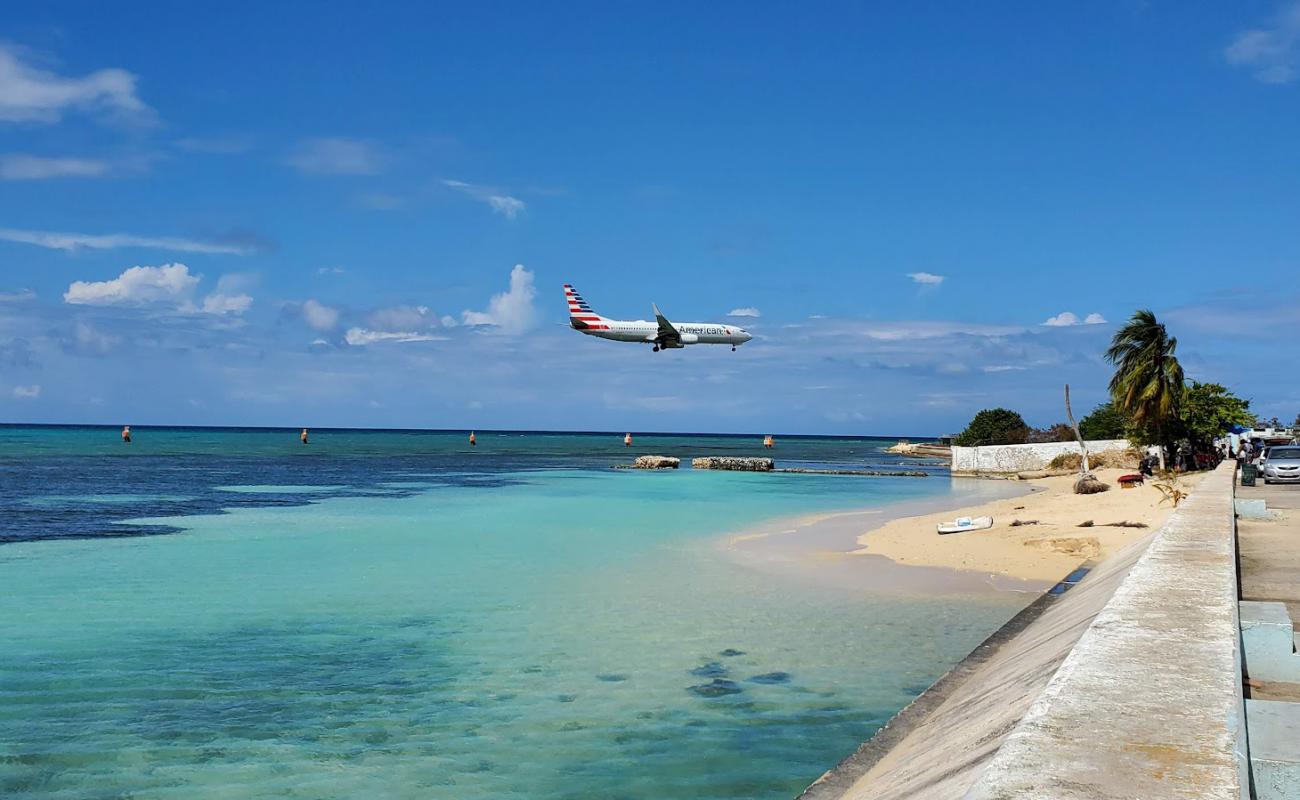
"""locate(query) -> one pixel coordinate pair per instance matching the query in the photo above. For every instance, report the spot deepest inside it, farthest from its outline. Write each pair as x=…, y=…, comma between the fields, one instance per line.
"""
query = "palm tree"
x=1148, y=380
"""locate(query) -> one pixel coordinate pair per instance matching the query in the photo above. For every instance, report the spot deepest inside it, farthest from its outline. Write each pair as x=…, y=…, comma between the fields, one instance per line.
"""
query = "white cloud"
x=20, y=167
x=75, y=241
x=360, y=337
x=227, y=303
x=319, y=316
x=1068, y=318
x=229, y=297
x=88, y=340
x=1004, y=368
x=448, y=321
x=1272, y=53
x=335, y=156
x=27, y=392
x=330, y=271
x=403, y=318
x=925, y=278
x=915, y=329
x=512, y=311
x=1061, y=320
x=744, y=311
x=20, y=296
x=170, y=283
x=30, y=94
x=501, y=203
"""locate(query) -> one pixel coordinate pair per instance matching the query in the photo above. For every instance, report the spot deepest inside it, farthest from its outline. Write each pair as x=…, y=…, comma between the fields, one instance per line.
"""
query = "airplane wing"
x=667, y=333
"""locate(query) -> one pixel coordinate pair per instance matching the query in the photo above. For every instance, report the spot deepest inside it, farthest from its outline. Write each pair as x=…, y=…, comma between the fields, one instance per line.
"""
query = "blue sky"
x=312, y=214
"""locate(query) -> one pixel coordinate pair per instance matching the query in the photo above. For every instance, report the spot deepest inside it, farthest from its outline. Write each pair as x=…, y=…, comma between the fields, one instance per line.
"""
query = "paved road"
x=1269, y=559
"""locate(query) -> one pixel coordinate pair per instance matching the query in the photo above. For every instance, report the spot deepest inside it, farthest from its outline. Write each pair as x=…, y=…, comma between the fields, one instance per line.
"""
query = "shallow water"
x=529, y=628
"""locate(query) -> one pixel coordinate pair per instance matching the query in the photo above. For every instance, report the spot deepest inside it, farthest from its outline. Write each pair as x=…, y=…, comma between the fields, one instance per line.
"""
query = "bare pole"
x=1083, y=447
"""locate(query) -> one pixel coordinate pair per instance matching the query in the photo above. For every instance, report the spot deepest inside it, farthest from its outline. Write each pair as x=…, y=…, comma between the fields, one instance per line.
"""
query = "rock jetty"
x=736, y=464
x=921, y=449
x=656, y=462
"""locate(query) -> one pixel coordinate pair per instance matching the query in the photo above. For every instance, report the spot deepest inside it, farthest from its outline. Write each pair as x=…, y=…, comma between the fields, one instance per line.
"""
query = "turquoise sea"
x=226, y=613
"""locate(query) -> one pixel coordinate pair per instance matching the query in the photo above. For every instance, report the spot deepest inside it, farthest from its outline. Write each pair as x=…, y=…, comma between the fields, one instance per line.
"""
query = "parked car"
x=1282, y=464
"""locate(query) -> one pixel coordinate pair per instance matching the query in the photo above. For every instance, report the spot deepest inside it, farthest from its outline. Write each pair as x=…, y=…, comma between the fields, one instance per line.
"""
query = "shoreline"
x=823, y=547
x=895, y=547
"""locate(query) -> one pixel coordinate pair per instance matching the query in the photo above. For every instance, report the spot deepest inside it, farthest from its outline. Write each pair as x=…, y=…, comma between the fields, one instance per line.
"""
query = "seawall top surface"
x=1148, y=704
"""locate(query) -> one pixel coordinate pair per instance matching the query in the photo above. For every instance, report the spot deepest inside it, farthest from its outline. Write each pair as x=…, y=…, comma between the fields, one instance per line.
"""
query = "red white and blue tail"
x=580, y=314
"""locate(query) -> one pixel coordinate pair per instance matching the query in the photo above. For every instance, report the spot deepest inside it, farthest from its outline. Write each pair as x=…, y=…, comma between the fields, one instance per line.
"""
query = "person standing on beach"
x=126, y=434
x=304, y=436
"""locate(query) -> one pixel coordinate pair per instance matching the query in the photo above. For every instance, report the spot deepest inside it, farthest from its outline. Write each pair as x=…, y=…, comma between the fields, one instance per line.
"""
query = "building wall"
x=1008, y=458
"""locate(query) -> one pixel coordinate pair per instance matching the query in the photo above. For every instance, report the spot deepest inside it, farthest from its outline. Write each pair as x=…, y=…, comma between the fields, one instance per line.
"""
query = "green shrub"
x=994, y=426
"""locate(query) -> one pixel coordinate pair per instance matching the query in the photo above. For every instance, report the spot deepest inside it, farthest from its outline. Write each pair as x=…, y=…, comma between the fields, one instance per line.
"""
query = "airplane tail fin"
x=580, y=314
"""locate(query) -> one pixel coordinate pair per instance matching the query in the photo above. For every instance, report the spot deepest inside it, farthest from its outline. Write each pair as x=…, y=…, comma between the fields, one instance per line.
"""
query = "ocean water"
x=226, y=613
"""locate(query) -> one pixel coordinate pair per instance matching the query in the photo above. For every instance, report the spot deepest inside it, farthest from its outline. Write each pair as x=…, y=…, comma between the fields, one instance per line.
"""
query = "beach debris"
x=710, y=670
x=1087, y=523
x=771, y=677
x=1018, y=508
x=1016, y=523
x=733, y=463
x=868, y=472
x=731, y=652
x=1126, y=524
x=1090, y=484
x=656, y=462
x=1172, y=492
x=718, y=687
x=965, y=524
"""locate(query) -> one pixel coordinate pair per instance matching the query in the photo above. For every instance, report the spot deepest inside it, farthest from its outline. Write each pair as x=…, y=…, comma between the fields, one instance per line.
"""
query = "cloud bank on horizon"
x=207, y=262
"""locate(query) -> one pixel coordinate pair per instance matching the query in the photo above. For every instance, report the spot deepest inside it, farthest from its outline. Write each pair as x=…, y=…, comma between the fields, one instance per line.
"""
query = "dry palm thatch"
x=1090, y=484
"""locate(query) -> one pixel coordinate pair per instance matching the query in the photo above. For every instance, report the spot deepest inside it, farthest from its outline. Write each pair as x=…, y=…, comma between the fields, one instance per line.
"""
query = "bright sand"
x=1047, y=550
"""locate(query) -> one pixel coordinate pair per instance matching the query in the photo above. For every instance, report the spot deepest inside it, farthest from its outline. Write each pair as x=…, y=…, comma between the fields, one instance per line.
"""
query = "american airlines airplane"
x=661, y=333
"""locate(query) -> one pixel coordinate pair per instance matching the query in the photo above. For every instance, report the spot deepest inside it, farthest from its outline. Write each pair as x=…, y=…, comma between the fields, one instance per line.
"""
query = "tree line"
x=1151, y=401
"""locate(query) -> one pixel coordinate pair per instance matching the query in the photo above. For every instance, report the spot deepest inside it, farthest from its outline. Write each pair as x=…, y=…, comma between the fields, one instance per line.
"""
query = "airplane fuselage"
x=663, y=334
x=642, y=331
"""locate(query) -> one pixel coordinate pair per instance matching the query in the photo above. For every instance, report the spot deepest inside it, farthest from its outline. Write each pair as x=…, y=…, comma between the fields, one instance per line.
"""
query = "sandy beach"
x=1046, y=550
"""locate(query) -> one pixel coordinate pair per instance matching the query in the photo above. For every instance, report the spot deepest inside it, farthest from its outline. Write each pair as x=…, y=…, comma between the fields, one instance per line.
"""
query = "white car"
x=1281, y=464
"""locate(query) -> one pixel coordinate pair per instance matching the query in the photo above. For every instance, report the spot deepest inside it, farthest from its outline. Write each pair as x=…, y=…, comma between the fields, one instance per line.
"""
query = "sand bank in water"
x=1045, y=551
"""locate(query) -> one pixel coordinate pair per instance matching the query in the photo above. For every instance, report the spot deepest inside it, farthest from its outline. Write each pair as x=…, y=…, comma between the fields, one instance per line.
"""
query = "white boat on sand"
x=965, y=524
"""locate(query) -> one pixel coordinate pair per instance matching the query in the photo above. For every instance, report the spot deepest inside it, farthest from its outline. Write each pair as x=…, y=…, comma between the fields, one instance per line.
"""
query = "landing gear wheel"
x=733, y=348
x=656, y=349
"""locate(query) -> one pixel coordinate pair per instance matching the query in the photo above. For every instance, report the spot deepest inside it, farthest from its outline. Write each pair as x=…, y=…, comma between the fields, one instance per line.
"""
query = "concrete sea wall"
x=999, y=459
x=1127, y=686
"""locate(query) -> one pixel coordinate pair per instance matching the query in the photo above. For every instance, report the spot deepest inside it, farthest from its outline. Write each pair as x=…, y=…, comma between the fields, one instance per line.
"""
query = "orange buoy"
x=472, y=441
x=126, y=434
x=303, y=436
x=767, y=441
x=627, y=440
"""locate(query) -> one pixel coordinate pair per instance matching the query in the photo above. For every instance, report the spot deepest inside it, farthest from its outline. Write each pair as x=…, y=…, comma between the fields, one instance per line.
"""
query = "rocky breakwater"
x=656, y=462
x=734, y=464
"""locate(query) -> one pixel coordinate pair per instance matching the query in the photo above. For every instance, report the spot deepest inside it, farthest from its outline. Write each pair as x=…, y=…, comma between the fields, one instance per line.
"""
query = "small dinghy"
x=966, y=524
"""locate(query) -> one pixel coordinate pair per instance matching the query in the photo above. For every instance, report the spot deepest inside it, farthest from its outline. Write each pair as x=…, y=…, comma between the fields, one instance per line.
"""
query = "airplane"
x=661, y=333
